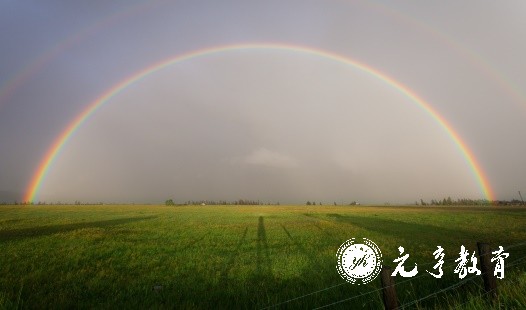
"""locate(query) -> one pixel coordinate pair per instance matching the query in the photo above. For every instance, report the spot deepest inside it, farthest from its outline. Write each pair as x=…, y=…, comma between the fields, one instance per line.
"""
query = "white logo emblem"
x=359, y=263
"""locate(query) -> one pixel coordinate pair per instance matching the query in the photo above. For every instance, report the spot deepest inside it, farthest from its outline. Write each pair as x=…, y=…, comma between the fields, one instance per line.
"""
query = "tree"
x=169, y=202
x=308, y=203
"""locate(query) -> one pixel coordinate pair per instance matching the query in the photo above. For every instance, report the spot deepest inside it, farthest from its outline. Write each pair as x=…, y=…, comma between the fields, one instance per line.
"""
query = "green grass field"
x=240, y=256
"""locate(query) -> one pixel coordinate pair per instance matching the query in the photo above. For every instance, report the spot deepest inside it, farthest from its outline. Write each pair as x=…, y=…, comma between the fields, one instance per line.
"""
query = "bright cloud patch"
x=265, y=157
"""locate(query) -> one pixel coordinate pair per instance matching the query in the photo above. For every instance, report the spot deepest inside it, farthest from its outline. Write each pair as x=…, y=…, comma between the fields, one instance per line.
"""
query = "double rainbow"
x=52, y=153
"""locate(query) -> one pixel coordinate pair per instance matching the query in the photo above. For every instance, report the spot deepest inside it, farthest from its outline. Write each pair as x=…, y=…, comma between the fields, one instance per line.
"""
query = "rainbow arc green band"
x=52, y=153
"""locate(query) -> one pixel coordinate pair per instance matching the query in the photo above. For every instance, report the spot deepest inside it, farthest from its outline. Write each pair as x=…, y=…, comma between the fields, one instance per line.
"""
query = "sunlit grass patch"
x=236, y=256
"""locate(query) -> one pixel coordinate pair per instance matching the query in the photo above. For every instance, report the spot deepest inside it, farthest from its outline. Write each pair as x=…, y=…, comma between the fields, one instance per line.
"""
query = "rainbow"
x=52, y=153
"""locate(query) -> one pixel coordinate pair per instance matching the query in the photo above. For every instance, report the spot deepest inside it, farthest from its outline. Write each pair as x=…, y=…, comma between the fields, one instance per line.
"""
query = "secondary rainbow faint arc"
x=60, y=141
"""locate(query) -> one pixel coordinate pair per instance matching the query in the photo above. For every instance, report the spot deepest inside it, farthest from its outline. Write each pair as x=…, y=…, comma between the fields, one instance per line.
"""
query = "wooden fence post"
x=487, y=268
x=388, y=288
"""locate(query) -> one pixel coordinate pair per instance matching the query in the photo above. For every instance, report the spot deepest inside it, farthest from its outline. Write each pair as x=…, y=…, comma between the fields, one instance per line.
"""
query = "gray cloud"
x=264, y=124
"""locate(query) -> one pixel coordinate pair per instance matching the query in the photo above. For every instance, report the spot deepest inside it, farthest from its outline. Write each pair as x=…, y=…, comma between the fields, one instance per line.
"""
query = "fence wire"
x=486, y=293
x=517, y=262
x=349, y=299
x=306, y=295
x=449, y=288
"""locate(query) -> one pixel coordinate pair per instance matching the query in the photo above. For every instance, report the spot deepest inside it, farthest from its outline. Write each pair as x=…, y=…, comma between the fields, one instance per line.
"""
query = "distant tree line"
x=469, y=202
x=313, y=203
x=170, y=202
x=57, y=203
x=239, y=202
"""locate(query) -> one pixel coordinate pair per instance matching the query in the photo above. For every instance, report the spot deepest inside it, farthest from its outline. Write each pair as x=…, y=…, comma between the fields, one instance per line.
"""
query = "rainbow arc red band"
x=52, y=153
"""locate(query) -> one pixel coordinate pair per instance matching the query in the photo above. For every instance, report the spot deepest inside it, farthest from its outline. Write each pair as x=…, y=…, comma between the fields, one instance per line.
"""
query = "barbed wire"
x=514, y=245
x=474, y=298
x=451, y=287
x=517, y=262
x=456, y=285
x=348, y=299
x=303, y=296
x=479, y=296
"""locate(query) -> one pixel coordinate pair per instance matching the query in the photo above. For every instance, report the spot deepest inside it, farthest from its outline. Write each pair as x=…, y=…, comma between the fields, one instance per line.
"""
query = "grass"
x=240, y=256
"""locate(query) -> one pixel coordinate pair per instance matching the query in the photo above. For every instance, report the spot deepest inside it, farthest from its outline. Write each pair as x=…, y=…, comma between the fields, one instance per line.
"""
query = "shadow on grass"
x=17, y=234
x=254, y=292
x=404, y=230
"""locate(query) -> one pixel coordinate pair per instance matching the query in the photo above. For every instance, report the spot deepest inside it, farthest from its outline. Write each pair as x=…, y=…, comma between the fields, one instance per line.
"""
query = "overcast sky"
x=263, y=124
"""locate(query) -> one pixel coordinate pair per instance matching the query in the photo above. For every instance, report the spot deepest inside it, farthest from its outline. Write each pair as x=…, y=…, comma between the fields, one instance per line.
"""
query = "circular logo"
x=359, y=263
